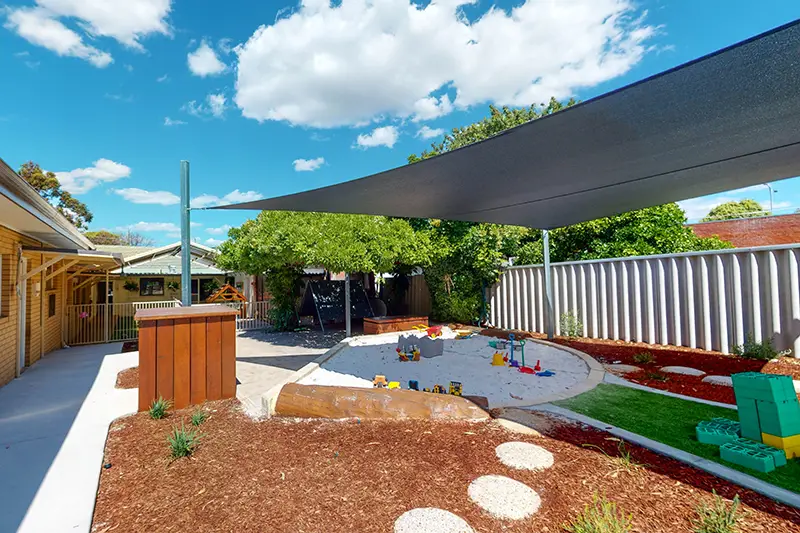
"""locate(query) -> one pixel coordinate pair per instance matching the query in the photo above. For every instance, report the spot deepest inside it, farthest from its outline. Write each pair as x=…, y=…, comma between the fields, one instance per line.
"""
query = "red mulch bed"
x=128, y=378
x=784, y=365
x=336, y=477
x=687, y=385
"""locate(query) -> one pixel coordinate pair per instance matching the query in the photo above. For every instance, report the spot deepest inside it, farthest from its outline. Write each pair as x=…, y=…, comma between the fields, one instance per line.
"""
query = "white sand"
x=430, y=520
x=467, y=361
x=504, y=498
x=524, y=456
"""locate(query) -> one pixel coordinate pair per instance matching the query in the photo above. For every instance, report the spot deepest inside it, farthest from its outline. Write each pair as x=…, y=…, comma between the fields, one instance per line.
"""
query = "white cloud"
x=384, y=136
x=173, y=122
x=429, y=133
x=431, y=107
x=81, y=180
x=120, y=97
x=308, y=165
x=162, y=79
x=222, y=230
x=234, y=197
x=390, y=57
x=123, y=20
x=141, y=196
x=211, y=241
x=215, y=106
x=152, y=226
x=204, y=61
x=36, y=26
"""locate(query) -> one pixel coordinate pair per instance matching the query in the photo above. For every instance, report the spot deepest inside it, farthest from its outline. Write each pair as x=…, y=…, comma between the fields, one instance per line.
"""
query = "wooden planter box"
x=386, y=324
x=186, y=354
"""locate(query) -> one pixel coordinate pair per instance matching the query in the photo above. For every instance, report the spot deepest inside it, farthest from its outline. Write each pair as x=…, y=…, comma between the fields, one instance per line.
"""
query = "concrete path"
x=53, y=426
x=265, y=359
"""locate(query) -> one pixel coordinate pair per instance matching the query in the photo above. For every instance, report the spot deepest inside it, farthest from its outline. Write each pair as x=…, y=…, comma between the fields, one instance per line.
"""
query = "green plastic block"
x=748, y=419
x=726, y=422
x=778, y=456
x=746, y=457
x=765, y=387
x=715, y=435
x=781, y=419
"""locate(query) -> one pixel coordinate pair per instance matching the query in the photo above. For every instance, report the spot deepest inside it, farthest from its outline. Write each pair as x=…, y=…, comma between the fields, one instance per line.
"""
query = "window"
x=51, y=305
x=195, y=291
x=151, y=287
x=49, y=285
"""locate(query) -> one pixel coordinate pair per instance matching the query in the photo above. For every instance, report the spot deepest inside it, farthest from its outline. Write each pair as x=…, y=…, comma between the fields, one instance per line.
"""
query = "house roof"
x=751, y=232
x=163, y=260
x=727, y=120
x=23, y=210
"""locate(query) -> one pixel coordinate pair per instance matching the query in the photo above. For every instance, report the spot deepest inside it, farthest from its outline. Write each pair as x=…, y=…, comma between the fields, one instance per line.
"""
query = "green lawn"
x=670, y=421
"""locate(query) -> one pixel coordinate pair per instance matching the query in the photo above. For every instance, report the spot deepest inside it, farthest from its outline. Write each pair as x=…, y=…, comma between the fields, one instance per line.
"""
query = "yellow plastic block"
x=394, y=384
x=782, y=443
x=792, y=452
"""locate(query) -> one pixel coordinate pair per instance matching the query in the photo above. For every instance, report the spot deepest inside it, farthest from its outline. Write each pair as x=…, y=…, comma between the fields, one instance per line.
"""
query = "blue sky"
x=268, y=98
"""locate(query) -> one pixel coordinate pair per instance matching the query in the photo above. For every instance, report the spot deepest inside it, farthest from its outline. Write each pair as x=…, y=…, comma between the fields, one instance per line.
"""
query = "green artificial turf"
x=668, y=420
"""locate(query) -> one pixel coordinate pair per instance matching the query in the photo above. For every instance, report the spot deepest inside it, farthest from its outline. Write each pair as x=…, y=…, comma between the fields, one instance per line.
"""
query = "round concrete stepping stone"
x=504, y=498
x=622, y=369
x=430, y=520
x=685, y=370
x=725, y=381
x=524, y=456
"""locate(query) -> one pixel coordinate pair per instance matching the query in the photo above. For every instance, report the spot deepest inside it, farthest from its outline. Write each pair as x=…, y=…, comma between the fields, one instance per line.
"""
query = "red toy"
x=538, y=367
x=526, y=370
x=434, y=331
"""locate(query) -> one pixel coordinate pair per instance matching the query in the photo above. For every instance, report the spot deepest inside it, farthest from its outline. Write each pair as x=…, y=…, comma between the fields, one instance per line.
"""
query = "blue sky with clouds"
x=268, y=98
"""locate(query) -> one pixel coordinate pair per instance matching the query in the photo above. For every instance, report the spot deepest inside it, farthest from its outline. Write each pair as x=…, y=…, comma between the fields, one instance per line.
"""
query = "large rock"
x=685, y=370
x=725, y=381
x=621, y=369
x=319, y=401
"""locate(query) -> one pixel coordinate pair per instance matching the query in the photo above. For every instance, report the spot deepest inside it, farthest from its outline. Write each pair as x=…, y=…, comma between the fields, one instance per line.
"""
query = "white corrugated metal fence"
x=708, y=300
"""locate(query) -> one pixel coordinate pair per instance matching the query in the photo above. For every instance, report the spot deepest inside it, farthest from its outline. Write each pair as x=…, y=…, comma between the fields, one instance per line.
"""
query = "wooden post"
x=187, y=354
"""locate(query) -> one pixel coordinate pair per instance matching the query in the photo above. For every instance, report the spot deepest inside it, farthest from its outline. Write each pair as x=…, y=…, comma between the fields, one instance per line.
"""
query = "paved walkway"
x=264, y=360
x=53, y=426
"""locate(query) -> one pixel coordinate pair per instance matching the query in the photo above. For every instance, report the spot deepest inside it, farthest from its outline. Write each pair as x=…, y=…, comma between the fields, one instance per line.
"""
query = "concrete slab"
x=266, y=359
x=53, y=426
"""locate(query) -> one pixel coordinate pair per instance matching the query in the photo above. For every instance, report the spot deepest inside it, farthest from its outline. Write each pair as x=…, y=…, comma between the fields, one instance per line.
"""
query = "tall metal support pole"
x=347, y=304
x=548, y=287
x=108, y=311
x=186, y=241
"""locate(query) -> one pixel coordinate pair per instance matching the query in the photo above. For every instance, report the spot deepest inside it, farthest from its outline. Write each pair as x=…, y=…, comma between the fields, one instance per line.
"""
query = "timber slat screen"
x=186, y=355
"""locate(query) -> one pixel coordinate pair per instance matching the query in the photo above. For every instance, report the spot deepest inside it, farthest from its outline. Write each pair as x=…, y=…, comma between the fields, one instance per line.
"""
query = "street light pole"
x=771, y=193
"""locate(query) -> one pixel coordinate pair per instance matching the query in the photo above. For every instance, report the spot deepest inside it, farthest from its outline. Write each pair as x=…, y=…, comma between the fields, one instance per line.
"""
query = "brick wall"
x=748, y=232
x=43, y=333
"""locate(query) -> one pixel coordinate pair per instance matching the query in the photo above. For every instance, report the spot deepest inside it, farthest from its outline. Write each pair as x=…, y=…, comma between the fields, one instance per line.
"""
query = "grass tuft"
x=625, y=460
x=159, y=408
x=198, y=417
x=644, y=357
x=183, y=442
x=656, y=376
x=718, y=517
x=571, y=325
x=601, y=516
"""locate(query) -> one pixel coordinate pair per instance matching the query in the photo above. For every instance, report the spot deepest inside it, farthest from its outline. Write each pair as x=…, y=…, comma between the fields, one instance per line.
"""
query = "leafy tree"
x=746, y=208
x=50, y=189
x=469, y=256
x=127, y=239
x=281, y=243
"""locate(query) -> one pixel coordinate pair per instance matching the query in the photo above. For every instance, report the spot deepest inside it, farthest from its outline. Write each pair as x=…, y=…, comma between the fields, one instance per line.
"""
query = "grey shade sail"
x=724, y=121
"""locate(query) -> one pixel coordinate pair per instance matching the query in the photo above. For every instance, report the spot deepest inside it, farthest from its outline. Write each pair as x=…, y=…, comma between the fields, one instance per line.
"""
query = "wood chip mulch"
x=789, y=366
x=687, y=385
x=128, y=378
x=336, y=477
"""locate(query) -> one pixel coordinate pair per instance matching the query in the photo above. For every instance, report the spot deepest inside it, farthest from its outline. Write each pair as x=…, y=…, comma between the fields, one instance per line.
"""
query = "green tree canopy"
x=48, y=186
x=746, y=208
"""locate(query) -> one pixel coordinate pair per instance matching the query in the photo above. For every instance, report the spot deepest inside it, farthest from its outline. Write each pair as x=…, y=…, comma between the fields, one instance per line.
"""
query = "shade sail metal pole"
x=548, y=287
x=347, y=304
x=186, y=241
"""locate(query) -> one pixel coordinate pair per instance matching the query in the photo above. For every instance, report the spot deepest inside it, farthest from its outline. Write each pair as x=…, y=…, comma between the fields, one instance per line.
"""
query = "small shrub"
x=198, y=417
x=602, y=516
x=131, y=286
x=159, y=408
x=718, y=517
x=763, y=351
x=571, y=325
x=183, y=442
x=624, y=460
x=644, y=357
x=656, y=376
